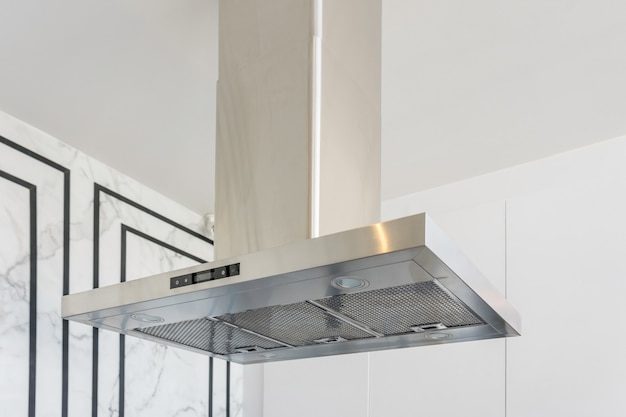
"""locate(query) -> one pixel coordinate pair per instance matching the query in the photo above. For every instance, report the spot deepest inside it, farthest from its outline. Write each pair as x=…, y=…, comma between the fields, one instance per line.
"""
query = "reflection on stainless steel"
x=281, y=303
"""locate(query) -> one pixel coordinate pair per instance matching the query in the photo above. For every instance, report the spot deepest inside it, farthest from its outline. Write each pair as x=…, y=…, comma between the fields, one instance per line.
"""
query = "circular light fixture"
x=146, y=318
x=268, y=355
x=349, y=283
x=437, y=336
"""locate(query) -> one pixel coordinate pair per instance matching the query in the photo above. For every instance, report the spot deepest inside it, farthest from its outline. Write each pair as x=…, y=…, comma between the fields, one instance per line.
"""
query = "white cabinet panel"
x=566, y=276
x=459, y=379
x=334, y=386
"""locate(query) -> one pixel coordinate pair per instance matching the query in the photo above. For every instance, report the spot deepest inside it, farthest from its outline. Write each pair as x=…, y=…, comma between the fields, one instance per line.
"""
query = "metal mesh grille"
x=297, y=324
x=388, y=311
x=394, y=310
x=209, y=335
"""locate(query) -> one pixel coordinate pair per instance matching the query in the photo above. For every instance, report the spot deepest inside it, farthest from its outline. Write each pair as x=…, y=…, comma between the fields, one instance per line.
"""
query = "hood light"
x=430, y=326
x=249, y=349
x=349, y=283
x=438, y=336
x=331, y=339
x=147, y=318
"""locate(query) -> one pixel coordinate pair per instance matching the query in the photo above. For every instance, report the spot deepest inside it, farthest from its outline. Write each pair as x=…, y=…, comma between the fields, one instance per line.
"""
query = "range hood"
x=395, y=284
x=298, y=175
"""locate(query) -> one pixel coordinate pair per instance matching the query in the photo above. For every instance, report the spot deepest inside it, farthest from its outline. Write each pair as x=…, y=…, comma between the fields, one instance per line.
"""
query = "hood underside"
x=395, y=284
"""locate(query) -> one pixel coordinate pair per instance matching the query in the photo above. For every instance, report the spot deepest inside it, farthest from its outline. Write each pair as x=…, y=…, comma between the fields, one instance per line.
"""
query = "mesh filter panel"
x=209, y=335
x=394, y=310
x=389, y=311
x=297, y=324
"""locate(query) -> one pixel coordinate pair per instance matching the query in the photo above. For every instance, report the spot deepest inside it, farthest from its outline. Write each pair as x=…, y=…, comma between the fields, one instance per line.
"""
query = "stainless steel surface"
x=350, y=114
x=415, y=276
x=297, y=155
x=263, y=125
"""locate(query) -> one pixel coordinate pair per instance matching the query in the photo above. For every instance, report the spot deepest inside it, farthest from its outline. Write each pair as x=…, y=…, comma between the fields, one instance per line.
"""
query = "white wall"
x=473, y=87
x=551, y=234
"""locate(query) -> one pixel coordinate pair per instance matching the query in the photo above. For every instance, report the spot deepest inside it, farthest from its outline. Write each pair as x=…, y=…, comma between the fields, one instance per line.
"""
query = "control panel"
x=204, y=276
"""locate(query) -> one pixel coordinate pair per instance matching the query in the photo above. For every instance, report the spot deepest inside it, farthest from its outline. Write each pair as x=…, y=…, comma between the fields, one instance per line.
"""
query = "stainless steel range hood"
x=298, y=158
x=395, y=284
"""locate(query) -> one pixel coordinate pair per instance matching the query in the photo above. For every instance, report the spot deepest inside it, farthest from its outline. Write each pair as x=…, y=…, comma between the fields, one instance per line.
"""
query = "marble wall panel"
x=46, y=214
x=160, y=379
x=86, y=213
x=14, y=297
x=142, y=380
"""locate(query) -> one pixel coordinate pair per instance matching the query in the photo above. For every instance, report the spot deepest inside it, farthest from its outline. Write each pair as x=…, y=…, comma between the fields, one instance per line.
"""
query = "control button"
x=180, y=281
x=221, y=272
x=233, y=270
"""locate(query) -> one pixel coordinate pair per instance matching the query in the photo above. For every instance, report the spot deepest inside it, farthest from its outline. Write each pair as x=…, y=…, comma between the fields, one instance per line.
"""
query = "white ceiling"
x=468, y=87
x=130, y=82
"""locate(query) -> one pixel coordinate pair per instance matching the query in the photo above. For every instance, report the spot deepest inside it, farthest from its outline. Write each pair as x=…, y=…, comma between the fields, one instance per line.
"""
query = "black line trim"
x=123, y=254
x=96, y=284
x=33, y=303
x=122, y=385
x=210, y=386
x=66, y=290
x=94, y=373
x=18, y=181
x=65, y=363
x=151, y=212
x=66, y=259
x=122, y=354
x=32, y=324
x=152, y=239
x=96, y=238
x=33, y=155
x=227, y=388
